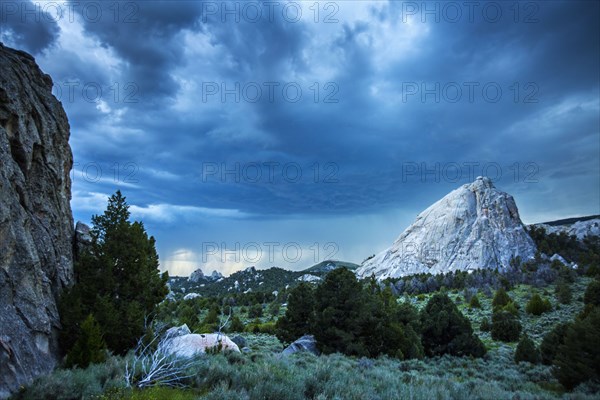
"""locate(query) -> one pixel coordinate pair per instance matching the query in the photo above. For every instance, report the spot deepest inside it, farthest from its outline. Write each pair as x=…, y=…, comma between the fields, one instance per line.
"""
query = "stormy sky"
x=283, y=133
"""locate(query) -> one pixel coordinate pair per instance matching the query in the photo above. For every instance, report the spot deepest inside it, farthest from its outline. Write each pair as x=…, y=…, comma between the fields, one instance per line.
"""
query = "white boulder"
x=190, y=345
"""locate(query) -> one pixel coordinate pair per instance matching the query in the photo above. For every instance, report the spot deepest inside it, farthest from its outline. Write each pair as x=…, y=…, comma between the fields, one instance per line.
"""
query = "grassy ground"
x=264, y=374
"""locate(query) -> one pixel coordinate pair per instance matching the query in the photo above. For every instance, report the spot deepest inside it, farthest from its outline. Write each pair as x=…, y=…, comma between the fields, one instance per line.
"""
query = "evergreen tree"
x=526, y=351
x=505, y=326
x=592, y=293
x=537, y=305
x=339, y=307
x=564, y=293
x=299, y=316
x=551, y=342
x=255, y=311
x=236, y=324
x=89, y=348
x=474, y=303
x=485, y=325
x=578, y=359
x=501, y=299
x=446, y=331
x=117, y=280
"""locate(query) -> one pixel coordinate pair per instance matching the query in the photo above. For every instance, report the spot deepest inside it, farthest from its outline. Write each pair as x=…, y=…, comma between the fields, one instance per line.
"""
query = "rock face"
x=36, y=224
x=475, y=226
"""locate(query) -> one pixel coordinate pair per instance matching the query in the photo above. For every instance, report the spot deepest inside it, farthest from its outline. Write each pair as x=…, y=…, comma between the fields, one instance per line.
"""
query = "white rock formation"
x=475, y=226
x=309, y=278
x=580, y=228
x=191, y=296
x=197, y=276
x=186, y=346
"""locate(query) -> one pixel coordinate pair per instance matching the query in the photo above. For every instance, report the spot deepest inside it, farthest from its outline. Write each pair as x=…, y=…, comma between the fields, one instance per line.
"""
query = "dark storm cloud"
x=145, y=35
x=28, y=26
x=375, y=131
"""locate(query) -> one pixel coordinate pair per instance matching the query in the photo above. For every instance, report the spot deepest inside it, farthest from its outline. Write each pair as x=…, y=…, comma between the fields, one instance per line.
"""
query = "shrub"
x=255, y=311
x=552, y=342
x=501, y=299
x=537, y=305
x=592, y=293
x=526, y=351
x=474, y=303
x=446, y=331
x=485, y=325
x=505, y=327
x=578, y=359
x=89, y=347
x=564, y=293
x=511, y=307
x=236, y=324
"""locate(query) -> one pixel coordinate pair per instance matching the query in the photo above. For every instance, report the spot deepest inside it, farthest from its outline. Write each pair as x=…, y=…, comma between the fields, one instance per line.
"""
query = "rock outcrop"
x=579, y=229
x=475, y=226
x=36, y=224
x=198, y=276
x=305, y=343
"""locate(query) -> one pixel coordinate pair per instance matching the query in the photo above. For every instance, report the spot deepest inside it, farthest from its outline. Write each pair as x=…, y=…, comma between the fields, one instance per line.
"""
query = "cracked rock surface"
x=473, y=227
x=36, y=224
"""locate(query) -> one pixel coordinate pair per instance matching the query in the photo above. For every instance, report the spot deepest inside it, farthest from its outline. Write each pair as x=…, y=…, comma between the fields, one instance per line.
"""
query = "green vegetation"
x=505, y=326
x=117, y=282
x=446, y=331
x=409, y=338
x=537, y=305
x=299, y=317
x=526, y=351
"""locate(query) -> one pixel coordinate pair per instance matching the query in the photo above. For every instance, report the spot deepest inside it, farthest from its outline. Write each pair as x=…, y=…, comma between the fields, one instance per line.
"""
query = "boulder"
x=177, y=331
x=190, y=345
x=305, y=343
x=36, y=224
x=240, y=341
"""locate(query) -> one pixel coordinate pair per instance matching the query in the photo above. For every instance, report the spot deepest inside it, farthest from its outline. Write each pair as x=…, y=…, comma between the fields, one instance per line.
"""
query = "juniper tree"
x=446, y=331
x=117, y=280
x=299, y=316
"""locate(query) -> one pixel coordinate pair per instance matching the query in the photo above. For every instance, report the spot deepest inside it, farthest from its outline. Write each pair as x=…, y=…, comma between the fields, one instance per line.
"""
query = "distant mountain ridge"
x=253, y=280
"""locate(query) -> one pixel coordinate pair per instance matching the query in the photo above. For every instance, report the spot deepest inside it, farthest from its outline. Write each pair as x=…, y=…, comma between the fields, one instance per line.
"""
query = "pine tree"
x=537, y=305
x=117, y=280
x=339, y=307
x=474, y=303
x=446, y=331
x=592, y=293
x=505, y=327
x=564, y=293
x=578, y=359
x=89, y=348
x=501, y=299
x=236, y=324
x=526, y=351
x=299, y=316
x=551, y=342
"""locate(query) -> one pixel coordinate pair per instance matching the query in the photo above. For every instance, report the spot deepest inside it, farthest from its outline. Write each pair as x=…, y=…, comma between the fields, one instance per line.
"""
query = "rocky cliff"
x=36, y=225
x=475, y=226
